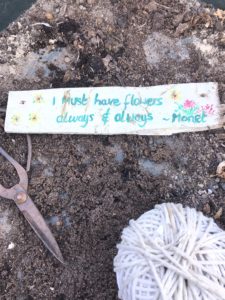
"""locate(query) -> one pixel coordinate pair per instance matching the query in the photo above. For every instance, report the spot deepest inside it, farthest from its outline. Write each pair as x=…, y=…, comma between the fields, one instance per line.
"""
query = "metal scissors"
x=18, y=193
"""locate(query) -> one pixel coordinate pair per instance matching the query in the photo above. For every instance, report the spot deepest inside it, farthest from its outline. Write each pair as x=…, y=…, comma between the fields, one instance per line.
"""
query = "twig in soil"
x=166, y=7
x=117, y=39
x=78, y=56
x=64, y=10
x=42, y=23
x=141, y=26
x=29, y=155
x=161, y=5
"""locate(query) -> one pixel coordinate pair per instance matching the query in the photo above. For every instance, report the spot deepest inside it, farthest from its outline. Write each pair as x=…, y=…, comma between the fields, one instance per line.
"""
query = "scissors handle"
x=37, y=222
x=18, y=193
x=20, y=170
x=7, y=193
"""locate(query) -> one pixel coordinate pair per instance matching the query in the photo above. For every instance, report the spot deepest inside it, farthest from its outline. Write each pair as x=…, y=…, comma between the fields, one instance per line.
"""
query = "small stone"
x=52, y=42
x=30, y=287
x=82, y=7
x=52, y=288
x=152, y=6
x=90, y=2
x=106, y=61
x=19, y=25
x=210, y=191
x=58, y=223
x=67, y=59
x=49, y=16
x=201, y=185
x=201, y=192
x=11, y=246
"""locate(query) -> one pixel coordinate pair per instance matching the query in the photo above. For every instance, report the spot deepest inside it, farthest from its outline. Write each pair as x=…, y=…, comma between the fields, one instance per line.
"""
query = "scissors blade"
x=37, y=222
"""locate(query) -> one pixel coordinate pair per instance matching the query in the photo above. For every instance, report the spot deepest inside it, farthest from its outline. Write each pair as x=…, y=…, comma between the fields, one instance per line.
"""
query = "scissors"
x=18, y=193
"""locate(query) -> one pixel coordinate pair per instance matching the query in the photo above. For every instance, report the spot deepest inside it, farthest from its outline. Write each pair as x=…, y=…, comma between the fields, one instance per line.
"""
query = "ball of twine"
x=171, y=252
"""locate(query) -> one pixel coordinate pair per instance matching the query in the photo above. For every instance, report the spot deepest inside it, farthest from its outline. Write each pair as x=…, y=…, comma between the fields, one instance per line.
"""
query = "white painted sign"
x=115, y=110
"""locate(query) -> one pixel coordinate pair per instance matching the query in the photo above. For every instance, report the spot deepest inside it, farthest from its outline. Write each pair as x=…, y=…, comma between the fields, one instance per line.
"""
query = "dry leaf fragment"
x=207, y=209
x=220, y=14
x=67, y=76
x=218, y=214
x=202, y=19
x=221, y=170
x=182, y=27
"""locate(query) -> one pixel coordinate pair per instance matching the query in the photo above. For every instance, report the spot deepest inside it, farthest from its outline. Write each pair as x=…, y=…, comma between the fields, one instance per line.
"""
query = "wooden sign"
x=158, y=110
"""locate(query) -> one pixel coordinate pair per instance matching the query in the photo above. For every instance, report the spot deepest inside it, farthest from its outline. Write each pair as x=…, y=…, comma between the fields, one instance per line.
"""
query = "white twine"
x=171, y=253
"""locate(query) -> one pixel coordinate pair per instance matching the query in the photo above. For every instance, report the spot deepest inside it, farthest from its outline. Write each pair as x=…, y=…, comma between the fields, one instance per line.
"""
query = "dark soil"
x=89, y=187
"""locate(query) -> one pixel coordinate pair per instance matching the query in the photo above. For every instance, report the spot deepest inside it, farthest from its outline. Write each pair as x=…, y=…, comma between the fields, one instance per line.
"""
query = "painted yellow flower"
x=38, y=99
x=16, y=119
x=175, y=95
x=34, y=118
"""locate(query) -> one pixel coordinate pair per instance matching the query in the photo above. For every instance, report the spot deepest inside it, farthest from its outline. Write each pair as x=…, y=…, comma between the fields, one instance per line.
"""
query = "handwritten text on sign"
x=115, y=110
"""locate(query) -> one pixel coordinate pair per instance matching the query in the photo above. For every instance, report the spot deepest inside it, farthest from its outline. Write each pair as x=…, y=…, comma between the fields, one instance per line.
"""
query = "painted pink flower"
x=208, y=109
x=189, y=104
